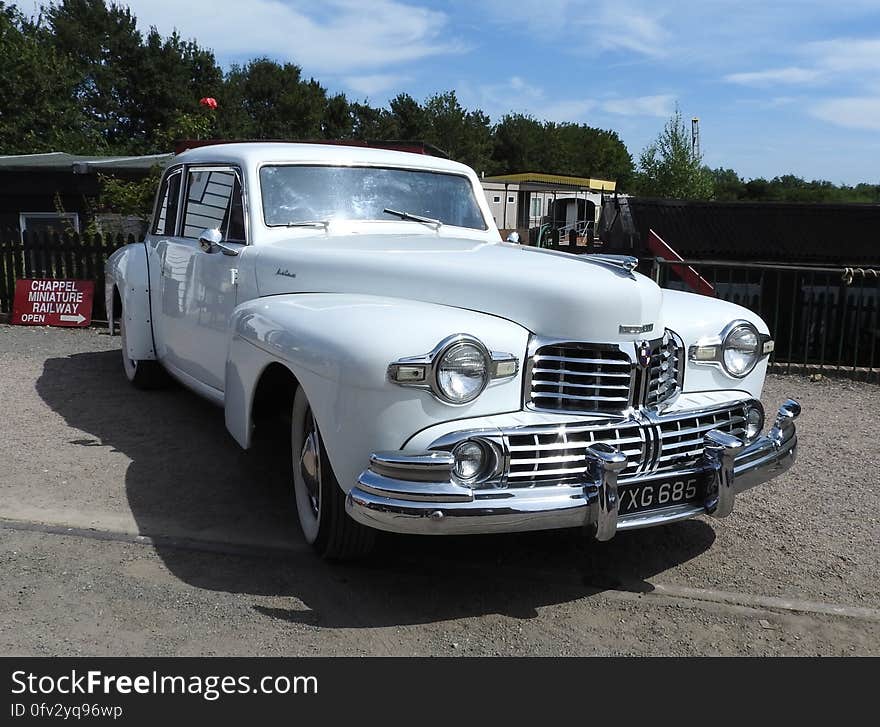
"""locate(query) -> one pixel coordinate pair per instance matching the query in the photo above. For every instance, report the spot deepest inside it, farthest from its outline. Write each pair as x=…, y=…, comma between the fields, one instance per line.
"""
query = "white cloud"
x=852, y=112
x=660, y=105
x=845, y=54
x=774, y=76
x=373, y=83
x=334, y=36
x=516, y=95
x=824, y=61
x=563, y=111
x=590, y=27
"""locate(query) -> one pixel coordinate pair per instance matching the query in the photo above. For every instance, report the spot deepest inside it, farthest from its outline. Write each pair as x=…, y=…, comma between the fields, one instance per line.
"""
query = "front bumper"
x=414, y=492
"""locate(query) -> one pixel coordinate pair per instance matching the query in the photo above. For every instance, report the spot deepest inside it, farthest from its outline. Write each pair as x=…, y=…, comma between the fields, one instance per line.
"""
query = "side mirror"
x=513, y=237
x=210, y=239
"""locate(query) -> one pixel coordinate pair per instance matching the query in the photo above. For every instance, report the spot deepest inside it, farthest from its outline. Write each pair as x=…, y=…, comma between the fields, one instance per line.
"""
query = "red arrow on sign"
x=53, y=302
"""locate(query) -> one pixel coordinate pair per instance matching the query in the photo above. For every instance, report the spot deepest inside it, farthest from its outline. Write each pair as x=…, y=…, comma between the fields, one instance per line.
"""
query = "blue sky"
x=786, y=86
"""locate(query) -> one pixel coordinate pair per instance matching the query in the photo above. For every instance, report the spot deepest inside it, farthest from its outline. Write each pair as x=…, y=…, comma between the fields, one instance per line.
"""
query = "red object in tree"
x=211, y=103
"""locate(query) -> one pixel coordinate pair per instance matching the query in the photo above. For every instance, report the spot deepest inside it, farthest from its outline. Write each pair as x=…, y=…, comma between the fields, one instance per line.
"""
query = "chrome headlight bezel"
x=445, y=392
x=709, y=351
x=422, y=372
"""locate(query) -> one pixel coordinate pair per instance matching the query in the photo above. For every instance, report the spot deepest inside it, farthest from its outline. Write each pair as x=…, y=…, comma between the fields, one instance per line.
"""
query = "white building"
x=524, y=201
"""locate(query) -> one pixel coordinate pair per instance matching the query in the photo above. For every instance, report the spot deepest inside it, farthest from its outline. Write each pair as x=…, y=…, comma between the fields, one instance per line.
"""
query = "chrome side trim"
x=417, y=466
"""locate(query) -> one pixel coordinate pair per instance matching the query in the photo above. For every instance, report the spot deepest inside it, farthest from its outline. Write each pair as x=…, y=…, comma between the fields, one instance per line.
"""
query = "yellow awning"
x=557, y=180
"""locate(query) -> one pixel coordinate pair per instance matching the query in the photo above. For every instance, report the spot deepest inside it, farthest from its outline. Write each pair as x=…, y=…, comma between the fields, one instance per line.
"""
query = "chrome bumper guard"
x=415, y=492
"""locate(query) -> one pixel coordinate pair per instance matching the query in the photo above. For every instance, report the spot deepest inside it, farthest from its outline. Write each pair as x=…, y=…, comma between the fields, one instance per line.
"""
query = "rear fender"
x=126, y=270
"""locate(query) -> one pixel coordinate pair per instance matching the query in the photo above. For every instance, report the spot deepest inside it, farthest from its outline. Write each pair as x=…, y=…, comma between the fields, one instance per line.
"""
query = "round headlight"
x=754, y=420
x=462, y=372
x=470, y=460
x=740, y=350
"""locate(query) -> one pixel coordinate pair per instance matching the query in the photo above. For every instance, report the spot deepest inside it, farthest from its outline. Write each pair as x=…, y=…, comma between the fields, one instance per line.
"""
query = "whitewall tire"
x=320, y=501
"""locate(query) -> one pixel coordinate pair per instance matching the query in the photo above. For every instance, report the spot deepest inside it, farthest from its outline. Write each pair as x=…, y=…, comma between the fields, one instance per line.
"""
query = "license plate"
x=660, y=493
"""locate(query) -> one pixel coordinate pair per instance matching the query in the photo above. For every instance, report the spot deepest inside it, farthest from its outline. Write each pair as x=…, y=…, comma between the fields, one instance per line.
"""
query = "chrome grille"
x=681, y=439
x=580, y=377
x=550, y=454
x=603, y=378
x=662, y=379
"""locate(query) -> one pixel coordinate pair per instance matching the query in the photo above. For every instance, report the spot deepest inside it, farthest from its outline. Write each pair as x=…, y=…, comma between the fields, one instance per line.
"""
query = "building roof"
x=748, y=231
x=59, y=161
x=554, y=181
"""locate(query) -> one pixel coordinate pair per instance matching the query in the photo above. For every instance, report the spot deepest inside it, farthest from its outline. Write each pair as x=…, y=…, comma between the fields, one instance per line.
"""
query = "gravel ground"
x=82, y=449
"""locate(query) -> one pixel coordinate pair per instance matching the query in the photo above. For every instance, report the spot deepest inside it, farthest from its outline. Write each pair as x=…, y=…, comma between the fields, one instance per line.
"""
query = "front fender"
x=694, y=316
x=127, y=271
x=339, y=347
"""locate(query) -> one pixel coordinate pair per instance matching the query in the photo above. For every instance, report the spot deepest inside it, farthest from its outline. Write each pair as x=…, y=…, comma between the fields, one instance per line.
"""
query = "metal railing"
x=822, y=318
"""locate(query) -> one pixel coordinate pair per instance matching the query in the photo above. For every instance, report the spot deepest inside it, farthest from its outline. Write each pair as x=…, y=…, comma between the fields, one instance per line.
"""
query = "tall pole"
x=695, y=137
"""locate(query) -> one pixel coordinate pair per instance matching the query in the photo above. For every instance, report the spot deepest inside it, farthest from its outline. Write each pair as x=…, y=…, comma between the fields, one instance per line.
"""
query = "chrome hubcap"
x=310, y=463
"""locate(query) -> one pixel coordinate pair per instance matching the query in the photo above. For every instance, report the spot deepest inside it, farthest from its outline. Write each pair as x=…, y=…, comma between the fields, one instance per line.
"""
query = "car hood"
x=551, y=294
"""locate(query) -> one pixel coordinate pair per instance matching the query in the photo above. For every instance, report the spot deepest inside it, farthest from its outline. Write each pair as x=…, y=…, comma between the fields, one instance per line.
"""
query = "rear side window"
x=166, y=215
x=214, y=201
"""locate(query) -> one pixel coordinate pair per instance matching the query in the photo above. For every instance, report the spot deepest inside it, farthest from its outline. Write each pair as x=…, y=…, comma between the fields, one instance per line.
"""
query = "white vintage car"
x=436, y=379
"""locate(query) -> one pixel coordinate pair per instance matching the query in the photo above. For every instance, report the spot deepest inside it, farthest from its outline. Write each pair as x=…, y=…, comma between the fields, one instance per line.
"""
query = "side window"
x=166, y=215
x=214, y=201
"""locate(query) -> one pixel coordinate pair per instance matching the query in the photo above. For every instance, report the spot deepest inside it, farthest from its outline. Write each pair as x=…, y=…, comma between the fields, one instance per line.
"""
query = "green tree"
x=518, y=143
x=267, y=100
x=104, y=48
x=521, y=143
x=130, y=89
x=727, y=184
x=668, y=167
x=409, y=118
x=173, y=75
x=369, y=122
x=337, y=122
x=38, y=111
x=465, y=135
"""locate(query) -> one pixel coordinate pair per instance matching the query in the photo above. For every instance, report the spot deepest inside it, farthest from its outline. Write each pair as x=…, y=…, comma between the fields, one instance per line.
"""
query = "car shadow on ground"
x=188, y=478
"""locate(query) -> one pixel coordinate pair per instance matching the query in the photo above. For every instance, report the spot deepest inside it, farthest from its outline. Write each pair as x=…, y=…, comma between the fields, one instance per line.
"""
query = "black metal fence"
x=70, y=256
x=822, y=318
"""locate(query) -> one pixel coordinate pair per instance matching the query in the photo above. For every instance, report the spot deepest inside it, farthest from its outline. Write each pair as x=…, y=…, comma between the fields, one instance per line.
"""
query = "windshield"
x=298, y=193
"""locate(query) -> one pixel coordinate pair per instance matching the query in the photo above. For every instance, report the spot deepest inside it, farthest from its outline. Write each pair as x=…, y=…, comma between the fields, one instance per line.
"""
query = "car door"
x=198, y=285
x=163, y=230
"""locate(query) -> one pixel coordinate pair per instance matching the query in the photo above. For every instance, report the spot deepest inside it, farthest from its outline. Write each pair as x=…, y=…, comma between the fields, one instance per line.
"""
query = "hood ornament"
x=624, y=262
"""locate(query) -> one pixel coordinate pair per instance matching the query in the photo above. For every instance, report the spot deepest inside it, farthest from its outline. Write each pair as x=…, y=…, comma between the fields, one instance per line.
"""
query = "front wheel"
x=320, y=502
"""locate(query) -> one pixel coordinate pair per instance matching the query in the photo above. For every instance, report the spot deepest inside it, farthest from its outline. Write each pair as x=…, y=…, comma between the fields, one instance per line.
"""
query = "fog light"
x=754, y=421
x=470, y=460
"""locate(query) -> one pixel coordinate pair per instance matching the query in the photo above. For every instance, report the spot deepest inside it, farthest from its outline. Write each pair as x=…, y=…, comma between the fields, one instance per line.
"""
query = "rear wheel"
x=320, y=502
x=142, y=374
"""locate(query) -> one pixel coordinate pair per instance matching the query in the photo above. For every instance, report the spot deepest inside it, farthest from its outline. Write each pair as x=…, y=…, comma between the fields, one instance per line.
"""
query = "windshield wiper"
x=414, y=218
x=310, y=223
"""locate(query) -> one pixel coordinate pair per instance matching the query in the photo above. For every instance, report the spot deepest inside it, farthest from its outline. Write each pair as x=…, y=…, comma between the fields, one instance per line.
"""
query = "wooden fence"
x=69, y=256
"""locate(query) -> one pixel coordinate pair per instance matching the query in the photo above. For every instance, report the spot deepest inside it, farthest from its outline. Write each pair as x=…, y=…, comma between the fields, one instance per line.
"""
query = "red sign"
x=53, y=302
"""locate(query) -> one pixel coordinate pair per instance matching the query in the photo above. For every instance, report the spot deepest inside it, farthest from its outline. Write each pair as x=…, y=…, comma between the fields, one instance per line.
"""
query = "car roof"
x=250, y=154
